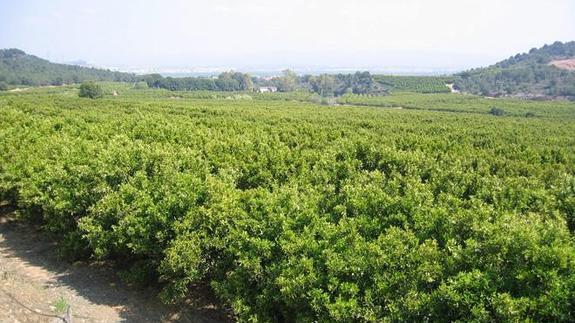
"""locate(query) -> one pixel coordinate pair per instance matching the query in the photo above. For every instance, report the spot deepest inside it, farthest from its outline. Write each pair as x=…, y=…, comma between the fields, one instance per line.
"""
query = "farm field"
x=294, y=211
x=418, y=84
x=463, y=103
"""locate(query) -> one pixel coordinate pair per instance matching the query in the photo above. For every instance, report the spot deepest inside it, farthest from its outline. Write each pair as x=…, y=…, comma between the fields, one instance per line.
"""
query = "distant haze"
x=179, y=36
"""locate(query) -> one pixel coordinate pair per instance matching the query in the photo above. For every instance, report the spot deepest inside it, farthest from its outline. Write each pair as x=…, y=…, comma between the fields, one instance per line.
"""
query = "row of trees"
x=329, y=84
x=324, y=84
x=227, y=81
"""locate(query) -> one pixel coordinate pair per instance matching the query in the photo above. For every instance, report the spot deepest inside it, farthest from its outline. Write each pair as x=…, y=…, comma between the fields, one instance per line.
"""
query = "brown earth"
x=566, y=64
x=33, y=280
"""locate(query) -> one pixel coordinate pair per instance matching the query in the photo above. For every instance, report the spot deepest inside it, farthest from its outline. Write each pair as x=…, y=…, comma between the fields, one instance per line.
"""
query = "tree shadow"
x=98, y=282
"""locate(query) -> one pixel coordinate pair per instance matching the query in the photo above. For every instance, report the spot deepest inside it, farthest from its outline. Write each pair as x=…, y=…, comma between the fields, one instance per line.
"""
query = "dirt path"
x=18, y=89
x=34, y=281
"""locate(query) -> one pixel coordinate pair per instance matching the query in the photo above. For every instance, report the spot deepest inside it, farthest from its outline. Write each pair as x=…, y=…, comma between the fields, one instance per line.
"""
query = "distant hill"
x=19, y=68
x=544, y=72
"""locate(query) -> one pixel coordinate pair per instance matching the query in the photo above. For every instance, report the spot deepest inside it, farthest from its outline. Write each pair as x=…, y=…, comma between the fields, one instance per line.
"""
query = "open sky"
x=284, y=33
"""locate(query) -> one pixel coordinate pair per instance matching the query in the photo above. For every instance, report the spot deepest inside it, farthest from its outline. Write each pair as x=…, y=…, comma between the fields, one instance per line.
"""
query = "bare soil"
x=34, y=284
x=566, y=64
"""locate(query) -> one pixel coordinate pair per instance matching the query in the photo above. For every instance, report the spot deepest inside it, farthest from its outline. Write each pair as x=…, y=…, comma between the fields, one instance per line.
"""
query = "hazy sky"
x=304, y=33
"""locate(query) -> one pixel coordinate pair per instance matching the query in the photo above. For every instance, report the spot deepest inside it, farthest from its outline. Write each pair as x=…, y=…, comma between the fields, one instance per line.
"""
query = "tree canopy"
x=90, y=90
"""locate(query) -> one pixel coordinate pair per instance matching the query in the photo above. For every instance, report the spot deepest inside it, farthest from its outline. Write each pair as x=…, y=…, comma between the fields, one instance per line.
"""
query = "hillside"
x=541, y=72
x=19, y=68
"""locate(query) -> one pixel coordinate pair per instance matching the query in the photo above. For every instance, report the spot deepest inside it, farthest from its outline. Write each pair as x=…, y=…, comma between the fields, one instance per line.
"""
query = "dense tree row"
x=339, y=84
x=324, y=84
x=296, y=212
x=330, y=84
x=227, y=81
x=19, y=68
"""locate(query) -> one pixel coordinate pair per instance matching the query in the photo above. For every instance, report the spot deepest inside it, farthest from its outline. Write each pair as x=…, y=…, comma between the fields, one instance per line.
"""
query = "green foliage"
x=287, y=82
x=461, y=103
x=292, y=211
x=3, y=86
x=497, y=111
x=234, y=81
x=226, y=81
x=60, y=306
x=328, y=85
x=300, y=95
x=141, y=86
x=90, y=90
x=324, y=84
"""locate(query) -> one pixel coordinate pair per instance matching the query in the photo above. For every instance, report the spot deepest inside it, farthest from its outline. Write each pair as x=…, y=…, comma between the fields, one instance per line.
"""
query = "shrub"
x=3, y=86
x=141, y=86
x=496, y=111
x=91, y=90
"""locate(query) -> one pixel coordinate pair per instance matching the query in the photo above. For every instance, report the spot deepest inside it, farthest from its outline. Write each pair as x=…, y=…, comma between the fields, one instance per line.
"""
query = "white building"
x=267, y=89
